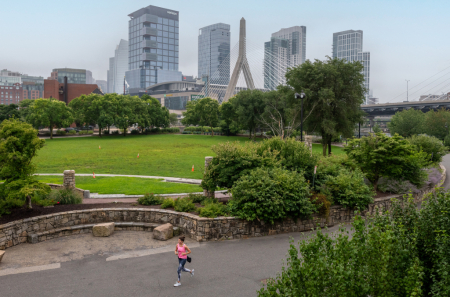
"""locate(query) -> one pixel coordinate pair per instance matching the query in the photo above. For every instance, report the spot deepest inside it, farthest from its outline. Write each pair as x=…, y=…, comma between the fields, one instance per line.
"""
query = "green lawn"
x=159, y=155
x=124, y=185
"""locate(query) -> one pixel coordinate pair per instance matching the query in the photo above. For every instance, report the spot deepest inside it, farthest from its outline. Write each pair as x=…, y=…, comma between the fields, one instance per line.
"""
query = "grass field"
x=159, y=155
x=124, y=185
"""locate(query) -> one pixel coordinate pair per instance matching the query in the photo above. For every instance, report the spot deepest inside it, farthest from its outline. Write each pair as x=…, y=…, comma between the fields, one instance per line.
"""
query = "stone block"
x=163, y=232
x=2, y=253
x=103, y=230
x=86, y=194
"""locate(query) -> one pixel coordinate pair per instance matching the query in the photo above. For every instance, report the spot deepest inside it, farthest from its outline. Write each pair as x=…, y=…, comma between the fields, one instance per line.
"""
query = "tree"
x=8, y=112
x=204, y=112
x=437, y=123
x=173, y=119
x=158, y=115
x=394, y=157
x=228, y=118
x=334, y=92
x=49, y=113
x=407, y=122
x=249, y=105
x=24, y=108
x=376, y=128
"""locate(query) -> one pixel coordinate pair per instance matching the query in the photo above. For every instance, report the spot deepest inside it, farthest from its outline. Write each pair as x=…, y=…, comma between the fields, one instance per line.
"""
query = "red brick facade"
x=11, y=94
x=52, y=87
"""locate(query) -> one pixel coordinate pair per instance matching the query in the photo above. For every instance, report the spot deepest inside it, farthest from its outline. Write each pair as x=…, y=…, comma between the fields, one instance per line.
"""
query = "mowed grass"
x=124, y=185
x=159, y=155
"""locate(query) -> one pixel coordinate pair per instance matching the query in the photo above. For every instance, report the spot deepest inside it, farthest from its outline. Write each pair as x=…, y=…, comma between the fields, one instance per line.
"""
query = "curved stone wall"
x=37, y=229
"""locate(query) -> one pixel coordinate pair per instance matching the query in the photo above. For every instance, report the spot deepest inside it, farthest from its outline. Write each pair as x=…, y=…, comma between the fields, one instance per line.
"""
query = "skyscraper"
x=286, y=48
x=118, y=65
x=213, y=53
x=153, y=47
x=349, y=45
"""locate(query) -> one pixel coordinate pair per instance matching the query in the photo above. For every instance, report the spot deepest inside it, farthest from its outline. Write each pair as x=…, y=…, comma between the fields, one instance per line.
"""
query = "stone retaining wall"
x=195, y=227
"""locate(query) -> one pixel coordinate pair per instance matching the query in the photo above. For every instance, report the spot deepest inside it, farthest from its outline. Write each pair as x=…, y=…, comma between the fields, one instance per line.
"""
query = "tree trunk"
x=324, y=147
x=51, y=132
x=28, y=202
x=329, y=146
x=250, y=133
x=212, y=132
x=99, y=131
x=109, y=132
x=124, y=132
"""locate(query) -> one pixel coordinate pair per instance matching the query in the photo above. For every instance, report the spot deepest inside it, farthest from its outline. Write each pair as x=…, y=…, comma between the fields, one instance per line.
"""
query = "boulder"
x=103, y=230
x=2, y=253
x=163, y=232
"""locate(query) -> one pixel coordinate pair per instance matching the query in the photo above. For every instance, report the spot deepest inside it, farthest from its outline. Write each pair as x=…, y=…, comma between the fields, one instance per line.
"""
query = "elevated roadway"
x=389, y=109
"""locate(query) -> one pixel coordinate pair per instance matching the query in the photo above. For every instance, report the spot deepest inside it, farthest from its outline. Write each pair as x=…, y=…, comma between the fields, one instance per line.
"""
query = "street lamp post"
x=301, y=96
x=407, y=90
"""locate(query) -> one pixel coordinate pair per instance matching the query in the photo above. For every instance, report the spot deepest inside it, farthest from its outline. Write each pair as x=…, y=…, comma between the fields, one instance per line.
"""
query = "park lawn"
x=124, y=185
x=159, y=155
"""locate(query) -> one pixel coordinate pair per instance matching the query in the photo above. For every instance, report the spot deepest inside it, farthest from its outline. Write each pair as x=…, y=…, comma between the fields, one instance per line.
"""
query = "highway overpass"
x=389, y=109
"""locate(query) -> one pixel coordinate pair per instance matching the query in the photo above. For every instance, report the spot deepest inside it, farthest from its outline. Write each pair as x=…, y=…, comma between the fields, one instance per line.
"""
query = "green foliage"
x=348, y=189
x=204, y=112
x=61, y=133
x=173, y=119
x=378, y=156
x=49, y=113
x=322, y=204
x=196, y=198
x=270, y=195
x=72, y=132
x=150, y=199
x=19, y=144
x=248, y=106
x=334, y=92
x=330, y=166
x=168, y=203
x=430, y=145
x=407, y=123
x=9, y=111
x=65, y=196
x=229, y=118
x=135, y=132
x=376, y=128
x=437, y=123
x=184, y=205
x=447, y=141
x=213, y=210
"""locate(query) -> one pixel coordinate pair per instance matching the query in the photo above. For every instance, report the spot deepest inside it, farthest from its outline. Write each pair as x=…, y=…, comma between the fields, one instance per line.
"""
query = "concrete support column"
x=207, y=193
x=69, y=179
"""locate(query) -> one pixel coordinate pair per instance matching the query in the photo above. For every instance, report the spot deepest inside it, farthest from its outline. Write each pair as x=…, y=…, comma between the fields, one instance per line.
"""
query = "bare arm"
x=187, y=249
x=176, y=249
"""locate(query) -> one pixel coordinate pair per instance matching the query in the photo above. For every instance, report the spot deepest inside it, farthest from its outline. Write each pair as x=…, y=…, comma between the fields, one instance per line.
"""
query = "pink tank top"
x=181, y=249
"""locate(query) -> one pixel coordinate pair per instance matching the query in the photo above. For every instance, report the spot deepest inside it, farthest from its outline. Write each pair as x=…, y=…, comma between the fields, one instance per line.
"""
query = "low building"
x=11, y=94
x=66, y=92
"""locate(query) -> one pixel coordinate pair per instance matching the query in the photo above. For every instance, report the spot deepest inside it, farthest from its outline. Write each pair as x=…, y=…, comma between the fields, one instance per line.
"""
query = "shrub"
x=155, y=130
x=196, y=198
x=168, y=203
x=322, y=204
x=115, y=132
x=430, y=145
x=72, y=132
x=65, y=196
x=83, y=132
x=171, y=130
x=105, y=132
x=90, y=132
x=61, y=132
x=150, y=199
x=213, y=210
x=271, y=194
x=209, y=200
x=184, y=205
x=330, y=166
x=348, y=189
x=134, y=132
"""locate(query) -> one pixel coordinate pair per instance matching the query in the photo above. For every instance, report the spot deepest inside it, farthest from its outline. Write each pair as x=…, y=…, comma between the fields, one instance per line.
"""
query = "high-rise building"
x=286, y=48
x=213, y=53
x=349, y=45
x=118, y=65
x=102, y=84
x=153, y=47
x=33, y=87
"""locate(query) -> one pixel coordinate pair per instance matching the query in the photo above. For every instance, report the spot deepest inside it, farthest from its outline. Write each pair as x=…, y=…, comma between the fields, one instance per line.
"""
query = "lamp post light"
x=301, y=96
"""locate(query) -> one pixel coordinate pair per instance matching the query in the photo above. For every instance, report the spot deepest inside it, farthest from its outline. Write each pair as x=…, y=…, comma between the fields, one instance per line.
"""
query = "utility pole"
x=407, y=90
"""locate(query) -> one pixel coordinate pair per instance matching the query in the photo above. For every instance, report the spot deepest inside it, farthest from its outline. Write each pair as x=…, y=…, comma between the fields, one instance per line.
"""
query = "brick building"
x=54, y=89
x=11, y=94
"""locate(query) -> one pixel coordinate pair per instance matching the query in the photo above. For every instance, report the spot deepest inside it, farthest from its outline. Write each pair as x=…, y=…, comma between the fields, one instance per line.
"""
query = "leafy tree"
x=158, y=116
x=249, y=105
x=203, y=112
x=376, y=128
x=407, y=122
x=228, y=118
x=24, y=108
x=334, y=92
x=50, y=113
x=173, y=119
x=437, y=123
x=381, y=156
x=8, y=112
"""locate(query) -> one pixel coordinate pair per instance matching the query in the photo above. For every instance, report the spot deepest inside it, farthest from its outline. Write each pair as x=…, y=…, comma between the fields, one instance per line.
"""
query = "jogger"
x=181, y=250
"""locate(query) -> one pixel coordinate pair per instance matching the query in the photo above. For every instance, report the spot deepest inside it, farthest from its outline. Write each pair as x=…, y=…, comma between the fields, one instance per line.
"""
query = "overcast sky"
x=407, y=39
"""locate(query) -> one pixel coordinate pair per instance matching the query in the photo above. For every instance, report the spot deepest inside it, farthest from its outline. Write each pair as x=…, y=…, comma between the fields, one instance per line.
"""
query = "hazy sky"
x=407, y=39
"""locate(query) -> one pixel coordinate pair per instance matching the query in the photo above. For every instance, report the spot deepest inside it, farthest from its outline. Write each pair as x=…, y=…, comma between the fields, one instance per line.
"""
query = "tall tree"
x=8, y=112
x=228, y=118
x=437, y=123
x=407, y=122
x=334, y=91
x=49, y=113
x=249, y=106
x=158, y=116
x=204, y=112
x=173, y=119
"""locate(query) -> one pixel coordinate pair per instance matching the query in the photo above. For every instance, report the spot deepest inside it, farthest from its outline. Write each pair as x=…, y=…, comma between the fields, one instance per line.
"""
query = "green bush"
x=208, y=200
x=168, y=203
x=115, y=132
x=348, y=189
x=155, y=130
x=213, y=210
x=171, y=130
x=184, y=205
x=150, y=199
x=84, y=132
x=430, y=145
x=90, y=132
x=61, y=132
x=134, y=132
x=270, y=195
x=72, y=132
x=322, y=204
x=65, y=196
x=196, y=198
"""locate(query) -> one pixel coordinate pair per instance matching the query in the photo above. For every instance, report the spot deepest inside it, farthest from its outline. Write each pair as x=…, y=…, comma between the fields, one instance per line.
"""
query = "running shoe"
x=177, y=284
x=192, y=272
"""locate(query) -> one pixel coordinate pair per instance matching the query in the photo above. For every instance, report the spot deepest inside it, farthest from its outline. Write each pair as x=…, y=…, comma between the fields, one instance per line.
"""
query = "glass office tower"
x=153, y=46
x=286, y=48
x=74, y=76
x=118, y=65
x=349, y=45
x=213, y=53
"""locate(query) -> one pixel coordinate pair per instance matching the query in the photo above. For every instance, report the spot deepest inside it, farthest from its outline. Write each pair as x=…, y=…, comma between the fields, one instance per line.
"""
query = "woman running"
x=182, y=251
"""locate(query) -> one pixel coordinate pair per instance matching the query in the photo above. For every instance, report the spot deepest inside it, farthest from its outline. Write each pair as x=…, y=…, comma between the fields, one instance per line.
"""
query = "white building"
x=118, y=65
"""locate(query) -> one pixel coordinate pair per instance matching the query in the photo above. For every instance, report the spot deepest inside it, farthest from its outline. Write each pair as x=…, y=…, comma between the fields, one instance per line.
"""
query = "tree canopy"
x=407, y=122
x=204, y=112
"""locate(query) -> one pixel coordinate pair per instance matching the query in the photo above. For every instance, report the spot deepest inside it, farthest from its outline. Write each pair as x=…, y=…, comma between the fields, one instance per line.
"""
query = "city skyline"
x=392, y=41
